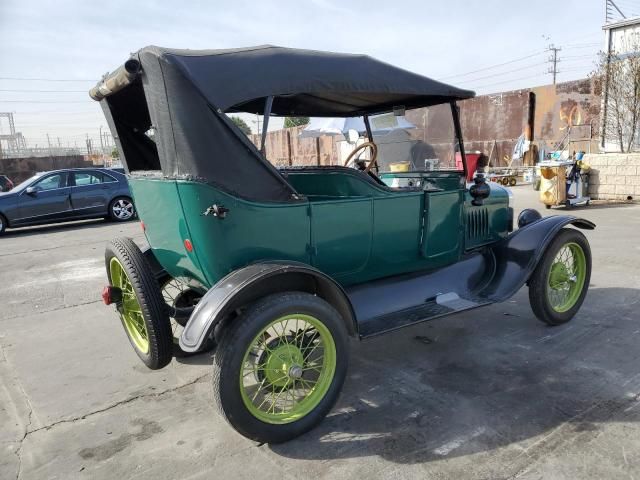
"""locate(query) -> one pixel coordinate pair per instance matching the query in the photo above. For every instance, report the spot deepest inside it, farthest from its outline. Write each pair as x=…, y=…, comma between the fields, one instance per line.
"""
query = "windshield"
x=421, y=139
x=26, y=182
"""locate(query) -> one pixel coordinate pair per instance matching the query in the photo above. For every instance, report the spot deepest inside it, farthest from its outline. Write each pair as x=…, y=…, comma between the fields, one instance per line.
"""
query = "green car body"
x=365, y=234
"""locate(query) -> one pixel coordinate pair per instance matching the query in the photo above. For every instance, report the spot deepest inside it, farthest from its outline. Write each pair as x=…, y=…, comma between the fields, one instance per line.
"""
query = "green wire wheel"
x=279, y=368
x=560, y=282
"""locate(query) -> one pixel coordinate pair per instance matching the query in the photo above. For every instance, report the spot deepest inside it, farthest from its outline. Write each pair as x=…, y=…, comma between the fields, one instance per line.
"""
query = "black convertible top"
x=182, y=96
x=305, y=82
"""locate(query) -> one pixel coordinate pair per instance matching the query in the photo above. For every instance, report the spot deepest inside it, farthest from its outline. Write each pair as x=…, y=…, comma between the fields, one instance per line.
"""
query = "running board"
x=420, y=313
x=392, y=303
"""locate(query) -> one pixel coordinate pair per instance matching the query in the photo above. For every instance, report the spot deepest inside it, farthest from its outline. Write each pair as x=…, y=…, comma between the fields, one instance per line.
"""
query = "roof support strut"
x=265, y=121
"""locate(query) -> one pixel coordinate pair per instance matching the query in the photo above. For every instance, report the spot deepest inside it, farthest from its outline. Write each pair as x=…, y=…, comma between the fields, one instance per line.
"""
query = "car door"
x=46, y=199
x=90, y=192
x=341, y=235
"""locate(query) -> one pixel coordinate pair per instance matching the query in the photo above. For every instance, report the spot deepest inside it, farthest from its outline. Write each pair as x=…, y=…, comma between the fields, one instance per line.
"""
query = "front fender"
x=255, y=281
x=517, y=256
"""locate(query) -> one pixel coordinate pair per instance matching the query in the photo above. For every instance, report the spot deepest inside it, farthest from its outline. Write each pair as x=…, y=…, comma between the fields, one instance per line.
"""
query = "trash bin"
x=553, y=184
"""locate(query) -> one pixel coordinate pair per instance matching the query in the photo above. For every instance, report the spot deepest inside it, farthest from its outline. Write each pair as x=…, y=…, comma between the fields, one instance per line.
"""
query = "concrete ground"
x=492, y=393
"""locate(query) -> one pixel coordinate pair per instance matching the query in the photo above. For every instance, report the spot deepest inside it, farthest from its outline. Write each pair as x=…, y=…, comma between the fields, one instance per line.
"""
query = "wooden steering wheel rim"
x=374, y=154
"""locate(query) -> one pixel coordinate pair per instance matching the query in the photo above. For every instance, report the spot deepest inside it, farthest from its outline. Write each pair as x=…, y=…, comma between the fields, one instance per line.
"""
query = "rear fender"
x=518, y=255
x=250, y=283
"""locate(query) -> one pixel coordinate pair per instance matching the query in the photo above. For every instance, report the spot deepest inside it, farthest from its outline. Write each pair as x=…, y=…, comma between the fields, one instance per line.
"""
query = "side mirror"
x=479, y=190
x=352, y=136
x=31, y=190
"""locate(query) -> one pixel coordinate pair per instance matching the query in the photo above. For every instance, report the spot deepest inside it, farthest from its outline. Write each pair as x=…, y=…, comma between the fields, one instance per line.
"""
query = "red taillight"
x=188, y=245
x=111, y=295
x=106, y=295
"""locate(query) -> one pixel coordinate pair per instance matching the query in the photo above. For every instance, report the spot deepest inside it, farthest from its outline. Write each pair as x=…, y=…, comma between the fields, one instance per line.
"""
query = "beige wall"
x=614, y=176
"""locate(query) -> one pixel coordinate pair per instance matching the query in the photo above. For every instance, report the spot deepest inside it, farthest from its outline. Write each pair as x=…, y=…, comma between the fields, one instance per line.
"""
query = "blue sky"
x=74, y=40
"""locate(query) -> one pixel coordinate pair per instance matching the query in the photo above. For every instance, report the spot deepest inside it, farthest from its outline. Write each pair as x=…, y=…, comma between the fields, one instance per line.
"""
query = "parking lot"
x=491, y=393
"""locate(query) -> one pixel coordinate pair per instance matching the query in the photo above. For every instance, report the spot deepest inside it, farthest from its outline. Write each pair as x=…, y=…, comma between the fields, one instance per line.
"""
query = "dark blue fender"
x=517, y=256
x=252, y=282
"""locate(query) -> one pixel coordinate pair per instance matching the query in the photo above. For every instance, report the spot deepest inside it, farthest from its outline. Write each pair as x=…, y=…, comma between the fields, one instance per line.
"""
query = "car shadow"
x=57, y=227
x=483, y=380
x=594, y=206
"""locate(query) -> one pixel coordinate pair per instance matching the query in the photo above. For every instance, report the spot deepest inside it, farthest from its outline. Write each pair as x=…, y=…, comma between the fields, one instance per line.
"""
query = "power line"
x=43, y=91
x=503, y=73
x=27, y=79
x=511, y=80
x=43, y=101
x=492, y=66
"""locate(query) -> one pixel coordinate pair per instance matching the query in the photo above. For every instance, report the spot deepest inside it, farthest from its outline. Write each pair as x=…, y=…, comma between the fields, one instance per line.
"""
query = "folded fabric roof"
x=304, y=82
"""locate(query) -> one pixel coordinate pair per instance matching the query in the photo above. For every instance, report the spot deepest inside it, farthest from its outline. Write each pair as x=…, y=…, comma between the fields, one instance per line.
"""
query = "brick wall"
x=19, y=169
x=614, y=176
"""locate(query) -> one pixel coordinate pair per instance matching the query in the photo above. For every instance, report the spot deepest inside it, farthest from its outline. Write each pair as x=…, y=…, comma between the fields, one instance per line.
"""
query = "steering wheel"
x=360, y=148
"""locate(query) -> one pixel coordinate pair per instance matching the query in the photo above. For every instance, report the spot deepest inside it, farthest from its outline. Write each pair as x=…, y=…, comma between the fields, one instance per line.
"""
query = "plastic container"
x=553, y=184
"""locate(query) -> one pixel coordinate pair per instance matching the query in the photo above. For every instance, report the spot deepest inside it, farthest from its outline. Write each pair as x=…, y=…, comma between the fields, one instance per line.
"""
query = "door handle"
x=216, y=210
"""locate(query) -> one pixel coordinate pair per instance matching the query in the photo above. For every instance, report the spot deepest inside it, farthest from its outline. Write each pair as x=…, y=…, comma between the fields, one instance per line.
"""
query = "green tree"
x=295, y=121
x=115, y=153
x=241, y=124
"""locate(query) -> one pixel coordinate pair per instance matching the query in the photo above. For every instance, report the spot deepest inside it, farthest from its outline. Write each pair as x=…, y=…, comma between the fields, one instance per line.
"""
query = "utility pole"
x=101, y=141
x=553, y=59
x=49, y=143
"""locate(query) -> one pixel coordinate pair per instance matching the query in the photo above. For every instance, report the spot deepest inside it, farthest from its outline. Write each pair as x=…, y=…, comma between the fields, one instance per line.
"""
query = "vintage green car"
x=275, y=268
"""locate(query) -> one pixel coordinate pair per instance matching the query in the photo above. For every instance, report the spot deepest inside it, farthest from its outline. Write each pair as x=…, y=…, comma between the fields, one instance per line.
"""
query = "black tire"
x=230, y=356
x=152, y=306
x=3, y=224
x=548, y=207
x=122, y=209
x=538, y=297
x=512, y=181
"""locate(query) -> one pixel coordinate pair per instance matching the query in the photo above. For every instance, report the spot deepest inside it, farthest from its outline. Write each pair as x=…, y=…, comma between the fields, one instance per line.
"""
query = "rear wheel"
x=280, y=367
x=121, y=209
x=142, y=310
x=3, y=224
x=560, y=281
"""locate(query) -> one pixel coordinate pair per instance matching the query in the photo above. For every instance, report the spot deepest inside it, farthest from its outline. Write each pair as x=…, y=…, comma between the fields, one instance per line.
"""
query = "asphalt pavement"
x=487, y=394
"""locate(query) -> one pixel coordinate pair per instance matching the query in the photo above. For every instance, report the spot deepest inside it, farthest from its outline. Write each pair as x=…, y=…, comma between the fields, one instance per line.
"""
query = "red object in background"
x=472, y=163
x=188, y=245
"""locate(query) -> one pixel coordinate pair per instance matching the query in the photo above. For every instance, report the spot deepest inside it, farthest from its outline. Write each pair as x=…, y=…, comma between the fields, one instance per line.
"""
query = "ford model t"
x=275, y=269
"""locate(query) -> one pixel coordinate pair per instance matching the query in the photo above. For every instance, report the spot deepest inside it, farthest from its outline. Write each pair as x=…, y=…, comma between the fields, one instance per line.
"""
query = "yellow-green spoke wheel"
x=141, y=308
x=279, y=367
x=566, y=277
x=130, y=310
x=560, y=281
x=288, y=369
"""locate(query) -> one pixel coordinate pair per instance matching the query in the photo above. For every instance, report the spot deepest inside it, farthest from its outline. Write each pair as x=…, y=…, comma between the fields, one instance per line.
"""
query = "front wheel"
x=560, y=281
x=280, y=367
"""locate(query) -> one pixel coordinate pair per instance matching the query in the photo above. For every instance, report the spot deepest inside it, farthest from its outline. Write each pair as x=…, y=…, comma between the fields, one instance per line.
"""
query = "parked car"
x=5, y=183
x=280, y=267
x=64, y=195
